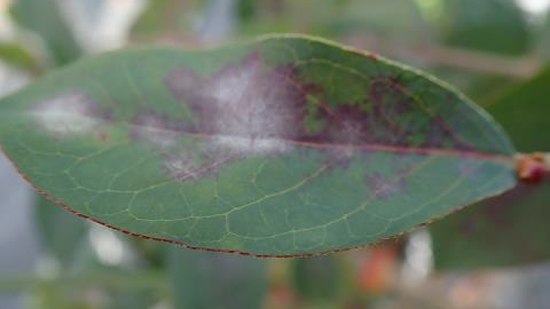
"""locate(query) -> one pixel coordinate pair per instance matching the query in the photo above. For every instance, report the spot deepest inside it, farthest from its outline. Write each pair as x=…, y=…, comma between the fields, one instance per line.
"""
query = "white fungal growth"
x=154, y=129
x=182, y=167
x=232, y=86
x=69, y=113
x=252, y=145
x=255, y=108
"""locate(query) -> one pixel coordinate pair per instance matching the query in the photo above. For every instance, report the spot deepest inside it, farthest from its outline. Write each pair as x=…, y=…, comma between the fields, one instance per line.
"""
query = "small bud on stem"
x=532, y=168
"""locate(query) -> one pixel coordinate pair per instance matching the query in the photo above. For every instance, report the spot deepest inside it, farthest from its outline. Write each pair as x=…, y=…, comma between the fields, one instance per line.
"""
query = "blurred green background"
x=491, y=255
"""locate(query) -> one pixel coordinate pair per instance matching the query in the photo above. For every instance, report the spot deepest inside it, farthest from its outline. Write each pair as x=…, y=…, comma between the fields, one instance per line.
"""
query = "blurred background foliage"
x=491, y=255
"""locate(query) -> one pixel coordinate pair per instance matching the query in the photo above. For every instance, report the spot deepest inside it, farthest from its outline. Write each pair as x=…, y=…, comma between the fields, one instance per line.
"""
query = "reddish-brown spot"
x=378, y=269
x=373, y=56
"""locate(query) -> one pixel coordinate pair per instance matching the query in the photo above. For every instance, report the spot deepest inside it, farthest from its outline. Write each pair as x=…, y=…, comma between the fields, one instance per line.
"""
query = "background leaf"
x=508, y=230
x=470, y=23
x=285, y=146
x=61, y=232
x=166, y=19
x=66, y=238
x=523, y=112
x=341, y=18
x=317, y=279
x=44, y=18
x=213, y=281
x=19, y=57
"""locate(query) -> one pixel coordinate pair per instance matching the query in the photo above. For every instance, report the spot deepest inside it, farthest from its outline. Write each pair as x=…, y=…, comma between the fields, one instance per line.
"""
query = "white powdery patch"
x=154, y=129
x=349, y=136
x=182, y=167
x=230, y=88
x=70, y=113
x=253, y=145
x=255, y=105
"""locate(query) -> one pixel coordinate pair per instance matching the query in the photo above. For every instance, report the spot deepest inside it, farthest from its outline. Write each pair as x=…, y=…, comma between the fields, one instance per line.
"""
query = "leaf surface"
x=280, y=147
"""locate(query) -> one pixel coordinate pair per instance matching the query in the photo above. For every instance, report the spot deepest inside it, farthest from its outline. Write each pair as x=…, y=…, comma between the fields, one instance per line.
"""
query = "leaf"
x=397, y=19
x=511, y=229
x=280, y=147
x=543, y=38
x=481, y=24
x=44, y=18
x=19, y=57
x=508, y=230
x=60, y=231
x=523, y=112
x=163, y=18
x=211, y=281
x=247, y=9
x=317, y=279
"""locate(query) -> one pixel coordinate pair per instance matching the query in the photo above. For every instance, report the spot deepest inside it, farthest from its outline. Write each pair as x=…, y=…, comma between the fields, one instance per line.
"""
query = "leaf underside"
x=281, y=147
x=504, y=231
x=214, y=281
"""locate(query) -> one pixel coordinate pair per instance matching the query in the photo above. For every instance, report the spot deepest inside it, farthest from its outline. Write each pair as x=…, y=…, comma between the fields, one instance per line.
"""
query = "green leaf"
x=481, y=25
x=396, y=19
x=247, y=9
x=317, y=279
x=19, y=57
x=60, y=231
x=44, y=18
x=523, y=112
x=212, y=281
x=508, y=230
x=543, y=39
x=167, y=19
x=283, y=146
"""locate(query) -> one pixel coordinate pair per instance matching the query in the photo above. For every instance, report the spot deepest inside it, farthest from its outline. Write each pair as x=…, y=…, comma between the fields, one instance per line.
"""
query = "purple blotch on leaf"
x=382, y=186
